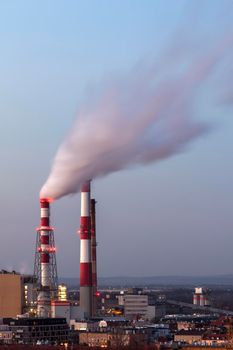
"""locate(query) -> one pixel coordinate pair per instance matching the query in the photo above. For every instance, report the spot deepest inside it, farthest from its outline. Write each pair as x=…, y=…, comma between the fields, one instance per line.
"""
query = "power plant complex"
x=35, y=309
x=45, y=267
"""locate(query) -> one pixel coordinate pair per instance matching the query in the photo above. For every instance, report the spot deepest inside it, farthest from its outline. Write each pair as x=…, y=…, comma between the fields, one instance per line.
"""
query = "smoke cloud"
x=143, y=117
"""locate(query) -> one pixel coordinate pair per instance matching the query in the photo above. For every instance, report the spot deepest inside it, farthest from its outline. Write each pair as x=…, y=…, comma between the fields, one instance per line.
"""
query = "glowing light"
x=52, y=249
x=45, y=228
x=48, y=200
x=62, y=292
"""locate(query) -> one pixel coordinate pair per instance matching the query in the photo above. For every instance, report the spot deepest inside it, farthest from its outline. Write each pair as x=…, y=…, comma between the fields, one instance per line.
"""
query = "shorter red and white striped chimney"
x=85, y=251
x=43, y=300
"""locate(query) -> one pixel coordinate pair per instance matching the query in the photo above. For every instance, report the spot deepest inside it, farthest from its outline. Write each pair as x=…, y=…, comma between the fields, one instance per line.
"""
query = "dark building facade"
x=33, y=330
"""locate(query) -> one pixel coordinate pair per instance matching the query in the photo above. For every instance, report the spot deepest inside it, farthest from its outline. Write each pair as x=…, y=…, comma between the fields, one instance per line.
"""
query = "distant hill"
x=123, y=281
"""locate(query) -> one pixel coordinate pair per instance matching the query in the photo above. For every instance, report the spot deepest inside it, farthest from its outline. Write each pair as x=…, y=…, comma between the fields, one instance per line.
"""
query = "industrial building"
x=67, y=310
x=135, y=305
x=201, y=297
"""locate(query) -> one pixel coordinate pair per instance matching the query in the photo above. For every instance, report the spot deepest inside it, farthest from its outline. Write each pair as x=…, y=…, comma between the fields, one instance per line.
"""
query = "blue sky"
x=173, y=217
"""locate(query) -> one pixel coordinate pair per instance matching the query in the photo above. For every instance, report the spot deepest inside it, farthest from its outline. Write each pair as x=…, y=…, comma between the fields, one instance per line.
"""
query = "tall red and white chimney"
x=85, y=251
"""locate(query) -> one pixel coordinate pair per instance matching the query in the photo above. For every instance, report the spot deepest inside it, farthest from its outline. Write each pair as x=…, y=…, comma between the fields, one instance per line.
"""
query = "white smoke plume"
x=141, y=118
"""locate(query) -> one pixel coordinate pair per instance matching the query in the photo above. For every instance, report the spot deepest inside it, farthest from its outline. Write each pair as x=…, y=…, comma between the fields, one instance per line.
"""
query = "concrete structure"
x=45, y=268
x=11, y=294
x=135, y=305
x=86, y=295
x=66, y=309
x=60, y=309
